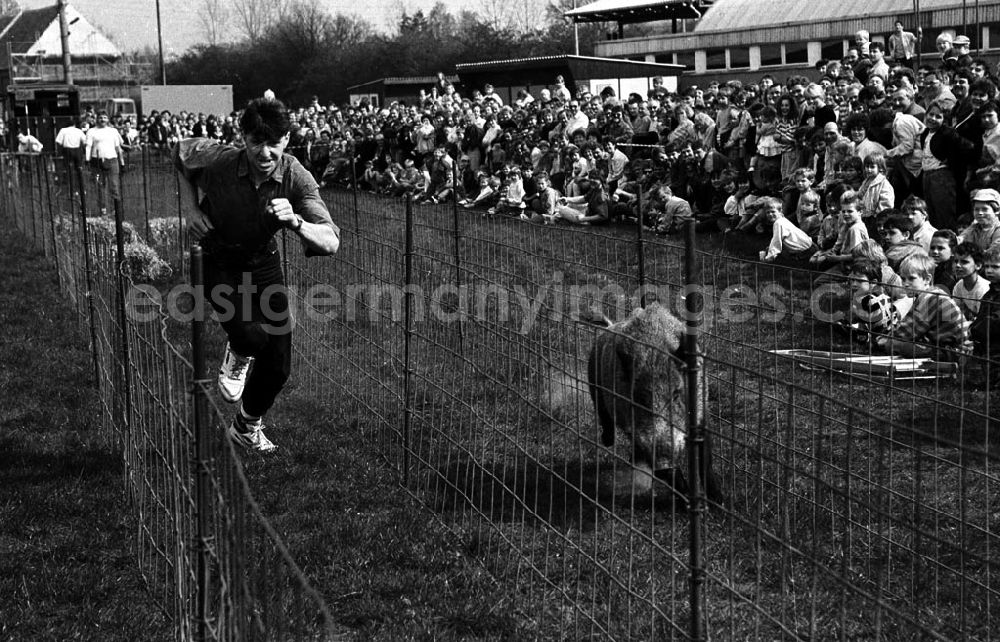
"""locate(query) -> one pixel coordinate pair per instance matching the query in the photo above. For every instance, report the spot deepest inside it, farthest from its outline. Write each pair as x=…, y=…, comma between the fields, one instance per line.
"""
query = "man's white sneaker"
x=233, y=375
x=250, y=435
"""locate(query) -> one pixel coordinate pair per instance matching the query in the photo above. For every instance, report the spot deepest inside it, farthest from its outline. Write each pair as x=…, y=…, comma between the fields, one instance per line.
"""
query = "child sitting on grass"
x=870, y=250
x=487, y=194
x=971, y=286
x=801, y=182
x=942, y=245
x=876, y=192
x=916, y=209
x=544, y=207
x=827, y=234
x=985, y=228
x=873, y=313
x=789, y=244
x=808, y=214
x=896, y=233
x=511, y=199
x=851, y=232
x=935, y=326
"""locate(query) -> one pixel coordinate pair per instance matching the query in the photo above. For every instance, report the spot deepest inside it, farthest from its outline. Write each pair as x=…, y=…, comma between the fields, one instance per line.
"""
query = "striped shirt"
x=935, y=320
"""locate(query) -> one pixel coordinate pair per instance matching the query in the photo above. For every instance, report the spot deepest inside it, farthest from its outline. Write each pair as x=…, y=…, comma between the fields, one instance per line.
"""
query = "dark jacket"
x=950, y=148
x=985, y=328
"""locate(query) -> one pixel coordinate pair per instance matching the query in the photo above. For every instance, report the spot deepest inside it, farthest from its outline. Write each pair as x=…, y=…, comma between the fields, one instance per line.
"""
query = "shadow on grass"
x=566, y=495
x=26, y=467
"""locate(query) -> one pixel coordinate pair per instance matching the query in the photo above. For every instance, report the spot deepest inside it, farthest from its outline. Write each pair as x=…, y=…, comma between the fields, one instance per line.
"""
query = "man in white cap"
x=985, y=229
x=960, y=48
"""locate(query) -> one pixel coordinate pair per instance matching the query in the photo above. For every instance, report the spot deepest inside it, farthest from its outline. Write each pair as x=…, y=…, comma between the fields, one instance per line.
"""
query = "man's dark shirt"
x=234, y=205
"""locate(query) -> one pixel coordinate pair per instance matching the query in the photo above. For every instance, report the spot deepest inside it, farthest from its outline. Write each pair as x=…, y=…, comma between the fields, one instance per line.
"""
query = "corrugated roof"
x=734, y=15
x=567, y=59
x=28, y=27
x=602, y=6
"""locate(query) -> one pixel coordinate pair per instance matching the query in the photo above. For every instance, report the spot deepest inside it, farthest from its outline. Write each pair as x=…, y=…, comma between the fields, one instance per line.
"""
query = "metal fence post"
x=640, y=247
x=695, y=441
x=180, y=216
x=407, y=338
x=145, y=188
x=31, y=193
x=458, y=258
x=354, y=188
x=203, y=494
x=88, y=270
x=121, y=267
x=52, y=219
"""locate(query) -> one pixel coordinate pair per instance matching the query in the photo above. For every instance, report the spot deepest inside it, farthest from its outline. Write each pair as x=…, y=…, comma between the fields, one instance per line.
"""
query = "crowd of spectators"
x=868, y=159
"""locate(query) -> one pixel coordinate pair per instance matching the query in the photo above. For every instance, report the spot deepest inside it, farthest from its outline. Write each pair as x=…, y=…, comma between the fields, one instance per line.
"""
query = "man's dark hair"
x=970, y=250
x=266, y=120
x=899, y=222
x=871, y=270
x=984, y=86
x=989, y=107
x=857, y=121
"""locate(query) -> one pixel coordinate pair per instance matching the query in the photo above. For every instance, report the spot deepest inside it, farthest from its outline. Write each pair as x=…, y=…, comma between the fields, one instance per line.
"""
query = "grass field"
x=66, y=568
x=855, y=507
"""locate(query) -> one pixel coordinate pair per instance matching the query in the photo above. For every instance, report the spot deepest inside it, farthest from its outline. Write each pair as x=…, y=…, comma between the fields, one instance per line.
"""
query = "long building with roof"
x=745, y=39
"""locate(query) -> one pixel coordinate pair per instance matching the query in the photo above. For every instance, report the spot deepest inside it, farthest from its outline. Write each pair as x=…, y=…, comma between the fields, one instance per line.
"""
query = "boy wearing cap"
x=960, y=49
x=985, y=228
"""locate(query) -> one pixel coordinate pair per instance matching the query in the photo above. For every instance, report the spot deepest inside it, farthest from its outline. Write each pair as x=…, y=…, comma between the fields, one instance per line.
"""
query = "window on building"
x=796, y=53
x=664, y=58
x=715, y=59
x=833, y=49
x=739, y=57
x=770, y=55
x=993, y=31
x=686, y=58
x=928, y=43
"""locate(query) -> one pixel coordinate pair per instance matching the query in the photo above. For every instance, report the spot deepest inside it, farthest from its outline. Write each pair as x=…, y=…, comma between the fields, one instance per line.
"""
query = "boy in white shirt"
x=788, y=242
x=971, y=286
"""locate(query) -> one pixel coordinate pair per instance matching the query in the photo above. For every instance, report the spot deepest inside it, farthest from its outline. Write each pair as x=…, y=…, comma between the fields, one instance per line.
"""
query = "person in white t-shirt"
x=104, y=154
x=971, y=286
x=28, y=144
x=71, y=141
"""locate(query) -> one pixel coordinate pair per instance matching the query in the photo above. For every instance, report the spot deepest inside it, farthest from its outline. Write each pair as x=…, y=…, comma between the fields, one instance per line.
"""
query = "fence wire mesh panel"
x=856, y=494
x=862, y=486
x=144, y=379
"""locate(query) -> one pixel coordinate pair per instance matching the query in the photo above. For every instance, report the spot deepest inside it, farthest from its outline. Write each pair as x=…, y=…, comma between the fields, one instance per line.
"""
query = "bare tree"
x=529, y=15
x=495, y=13
x=255, y=17
x=214, y=18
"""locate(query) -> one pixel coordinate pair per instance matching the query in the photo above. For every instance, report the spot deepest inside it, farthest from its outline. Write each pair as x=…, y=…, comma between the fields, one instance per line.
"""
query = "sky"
x=131, y=24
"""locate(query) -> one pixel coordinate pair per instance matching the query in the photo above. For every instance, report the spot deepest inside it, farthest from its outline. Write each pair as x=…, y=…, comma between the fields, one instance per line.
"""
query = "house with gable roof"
x=31, y=54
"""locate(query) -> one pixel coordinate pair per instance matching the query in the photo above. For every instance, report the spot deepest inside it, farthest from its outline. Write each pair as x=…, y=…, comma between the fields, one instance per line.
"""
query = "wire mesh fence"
x=858, y=485
x=857, y=489
x=209, y=557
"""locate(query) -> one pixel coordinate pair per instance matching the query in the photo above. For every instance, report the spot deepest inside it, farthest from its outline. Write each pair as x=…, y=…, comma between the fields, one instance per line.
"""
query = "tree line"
x=298, y=49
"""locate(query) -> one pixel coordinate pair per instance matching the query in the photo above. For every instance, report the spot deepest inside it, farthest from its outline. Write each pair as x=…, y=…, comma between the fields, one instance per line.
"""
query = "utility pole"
x=576, y=33
x=67, y=61
x=159, y=38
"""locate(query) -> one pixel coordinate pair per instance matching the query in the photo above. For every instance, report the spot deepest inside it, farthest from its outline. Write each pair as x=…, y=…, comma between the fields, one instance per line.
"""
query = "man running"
x=248, y=196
